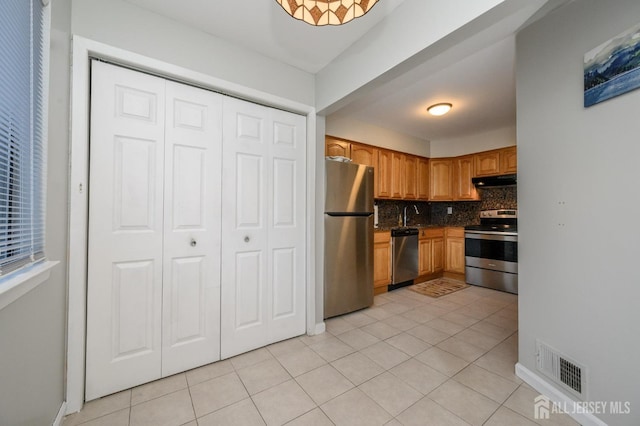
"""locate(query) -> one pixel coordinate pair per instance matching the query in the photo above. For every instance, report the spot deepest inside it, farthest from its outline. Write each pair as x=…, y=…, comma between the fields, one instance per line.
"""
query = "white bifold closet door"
x=263, y=226
x=153, y=305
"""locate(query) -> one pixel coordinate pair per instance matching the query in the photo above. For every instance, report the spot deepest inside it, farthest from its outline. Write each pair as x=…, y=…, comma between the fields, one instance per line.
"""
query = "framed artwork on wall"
x=613, y=68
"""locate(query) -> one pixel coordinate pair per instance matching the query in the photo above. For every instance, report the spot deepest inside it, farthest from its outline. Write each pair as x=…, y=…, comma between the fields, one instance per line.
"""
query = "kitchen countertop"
x=389, y=228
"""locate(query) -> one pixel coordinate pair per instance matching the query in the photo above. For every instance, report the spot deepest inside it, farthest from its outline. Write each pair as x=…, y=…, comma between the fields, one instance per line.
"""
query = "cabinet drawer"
x=431, y=233
x=382, y=237
x=455, y=232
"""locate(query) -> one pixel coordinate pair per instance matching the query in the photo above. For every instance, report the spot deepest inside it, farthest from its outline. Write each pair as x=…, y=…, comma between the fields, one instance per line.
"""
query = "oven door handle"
x=490, y=235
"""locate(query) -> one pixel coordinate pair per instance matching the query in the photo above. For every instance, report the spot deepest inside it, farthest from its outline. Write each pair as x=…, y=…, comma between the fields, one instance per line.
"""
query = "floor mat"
x=438, y=287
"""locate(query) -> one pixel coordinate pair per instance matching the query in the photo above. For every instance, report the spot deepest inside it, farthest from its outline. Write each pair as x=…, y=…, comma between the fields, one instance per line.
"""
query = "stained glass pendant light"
x=326, y=12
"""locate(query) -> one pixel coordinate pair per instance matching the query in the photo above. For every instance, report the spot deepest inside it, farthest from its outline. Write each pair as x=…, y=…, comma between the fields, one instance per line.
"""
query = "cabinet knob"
x=193, y=242
x=247, y=239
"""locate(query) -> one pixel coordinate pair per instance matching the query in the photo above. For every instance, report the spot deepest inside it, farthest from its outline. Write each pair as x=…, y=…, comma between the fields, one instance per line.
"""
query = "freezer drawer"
x=348, y=274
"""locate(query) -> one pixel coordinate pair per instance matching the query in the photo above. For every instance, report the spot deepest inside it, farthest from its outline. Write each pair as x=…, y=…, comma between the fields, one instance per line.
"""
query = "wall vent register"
x=564, y=371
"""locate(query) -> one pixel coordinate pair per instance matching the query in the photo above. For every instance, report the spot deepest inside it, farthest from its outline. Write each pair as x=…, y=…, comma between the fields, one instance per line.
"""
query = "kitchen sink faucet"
x=404, y=214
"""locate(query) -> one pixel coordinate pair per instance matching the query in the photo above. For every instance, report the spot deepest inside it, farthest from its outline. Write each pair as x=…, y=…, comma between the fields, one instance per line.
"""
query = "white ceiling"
x=263, y=26
x=481, y=86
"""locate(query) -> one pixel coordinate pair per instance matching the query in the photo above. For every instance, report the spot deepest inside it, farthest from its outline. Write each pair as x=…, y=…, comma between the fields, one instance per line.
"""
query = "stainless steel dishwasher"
x=404, y=261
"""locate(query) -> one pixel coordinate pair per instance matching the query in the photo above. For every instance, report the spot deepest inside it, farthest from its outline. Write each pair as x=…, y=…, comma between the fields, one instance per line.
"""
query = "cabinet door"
x=437, y=254
x=367, y=155
x=397, y=175
x=455, y=255
x=423, y=178
x=410, y=177
x=441, y=177
x=487, y=163
x=424, y=252
x=464, y=188
x=384, y=174
x=509, y=160
x=337, y=147
x=381, y=264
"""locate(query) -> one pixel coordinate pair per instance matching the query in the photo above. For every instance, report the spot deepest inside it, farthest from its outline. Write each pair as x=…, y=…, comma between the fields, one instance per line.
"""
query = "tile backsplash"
x=435, y=213
x=501, y=197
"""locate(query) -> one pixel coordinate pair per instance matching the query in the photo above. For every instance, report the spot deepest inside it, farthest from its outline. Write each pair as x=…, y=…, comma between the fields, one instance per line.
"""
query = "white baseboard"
x=61, y=413
x=545, y=388
x=320, y=328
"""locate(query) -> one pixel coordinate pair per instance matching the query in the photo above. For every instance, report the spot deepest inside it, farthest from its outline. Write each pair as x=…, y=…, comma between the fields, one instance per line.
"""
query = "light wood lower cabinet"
x=454, y=241
x=381, y=261
x=430, y=251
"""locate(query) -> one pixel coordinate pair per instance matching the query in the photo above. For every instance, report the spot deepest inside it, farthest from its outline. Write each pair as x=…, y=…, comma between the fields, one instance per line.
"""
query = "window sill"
x=23, y=282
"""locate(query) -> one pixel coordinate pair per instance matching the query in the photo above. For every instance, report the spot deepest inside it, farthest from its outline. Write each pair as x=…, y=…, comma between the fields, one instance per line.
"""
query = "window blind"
x=24, y=47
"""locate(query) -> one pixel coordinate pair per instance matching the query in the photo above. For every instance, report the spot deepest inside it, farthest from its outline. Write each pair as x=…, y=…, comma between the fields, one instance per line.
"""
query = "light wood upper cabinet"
x=464, y=171
x=364, y=154
x=487, y=163
x=454, y=253
x=397, y=174
x=441, y=179
x=423, y=178
x=334, y=147
x=410, y=177
x=381, y=260
x=496, y=162
x=509, y=160
x=367, y=155
x=384, y=173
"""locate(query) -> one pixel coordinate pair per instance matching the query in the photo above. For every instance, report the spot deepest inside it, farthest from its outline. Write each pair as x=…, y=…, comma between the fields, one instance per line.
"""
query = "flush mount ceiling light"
x=439, y=109
x=326, y=12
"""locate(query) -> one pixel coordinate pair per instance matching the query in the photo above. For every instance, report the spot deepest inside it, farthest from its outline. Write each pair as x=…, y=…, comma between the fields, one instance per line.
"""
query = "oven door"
x=496, y=251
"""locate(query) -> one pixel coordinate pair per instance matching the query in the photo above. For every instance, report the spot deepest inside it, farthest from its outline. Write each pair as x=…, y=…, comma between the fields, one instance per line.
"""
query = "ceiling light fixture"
x=326, y=12
x=439, y=109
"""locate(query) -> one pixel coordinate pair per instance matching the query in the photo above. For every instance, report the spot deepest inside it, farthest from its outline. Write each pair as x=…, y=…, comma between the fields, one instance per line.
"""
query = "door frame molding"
x=83, y=51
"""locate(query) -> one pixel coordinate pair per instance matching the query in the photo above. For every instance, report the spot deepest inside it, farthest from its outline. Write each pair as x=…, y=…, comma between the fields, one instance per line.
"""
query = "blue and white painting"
x=613, y=68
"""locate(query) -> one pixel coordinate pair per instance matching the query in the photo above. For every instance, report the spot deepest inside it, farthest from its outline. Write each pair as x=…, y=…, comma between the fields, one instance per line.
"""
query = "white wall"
x=359, y=131
x=498, y=138
x=578, y=176
x=129, y=27
x=33, y=328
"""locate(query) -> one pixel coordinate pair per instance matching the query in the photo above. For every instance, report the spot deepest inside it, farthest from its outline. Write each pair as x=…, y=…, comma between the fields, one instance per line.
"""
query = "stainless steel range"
x=491, y=251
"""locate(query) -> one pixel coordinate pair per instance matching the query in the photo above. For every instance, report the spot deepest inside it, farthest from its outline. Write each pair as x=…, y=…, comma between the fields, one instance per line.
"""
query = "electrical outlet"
x=449, y=210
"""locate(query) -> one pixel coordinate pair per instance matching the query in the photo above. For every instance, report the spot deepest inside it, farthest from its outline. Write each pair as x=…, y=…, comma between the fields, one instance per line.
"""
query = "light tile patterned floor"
x=407, y=360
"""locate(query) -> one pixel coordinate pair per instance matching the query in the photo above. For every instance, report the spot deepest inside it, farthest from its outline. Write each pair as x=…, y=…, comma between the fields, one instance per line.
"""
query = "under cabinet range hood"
x=502, y=180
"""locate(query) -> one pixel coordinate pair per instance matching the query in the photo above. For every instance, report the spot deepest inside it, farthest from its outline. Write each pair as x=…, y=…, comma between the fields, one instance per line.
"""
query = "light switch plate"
x=449, y=210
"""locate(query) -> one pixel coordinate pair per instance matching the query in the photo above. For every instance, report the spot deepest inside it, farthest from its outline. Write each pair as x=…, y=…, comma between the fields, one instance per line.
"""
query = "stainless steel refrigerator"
x=348, y=225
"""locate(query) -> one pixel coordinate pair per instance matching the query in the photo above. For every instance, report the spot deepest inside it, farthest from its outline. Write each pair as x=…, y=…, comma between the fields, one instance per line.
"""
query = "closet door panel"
x=263, y=275
x=287, y=226
x=124, y=290
x=192, y=210
x=244, y=319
